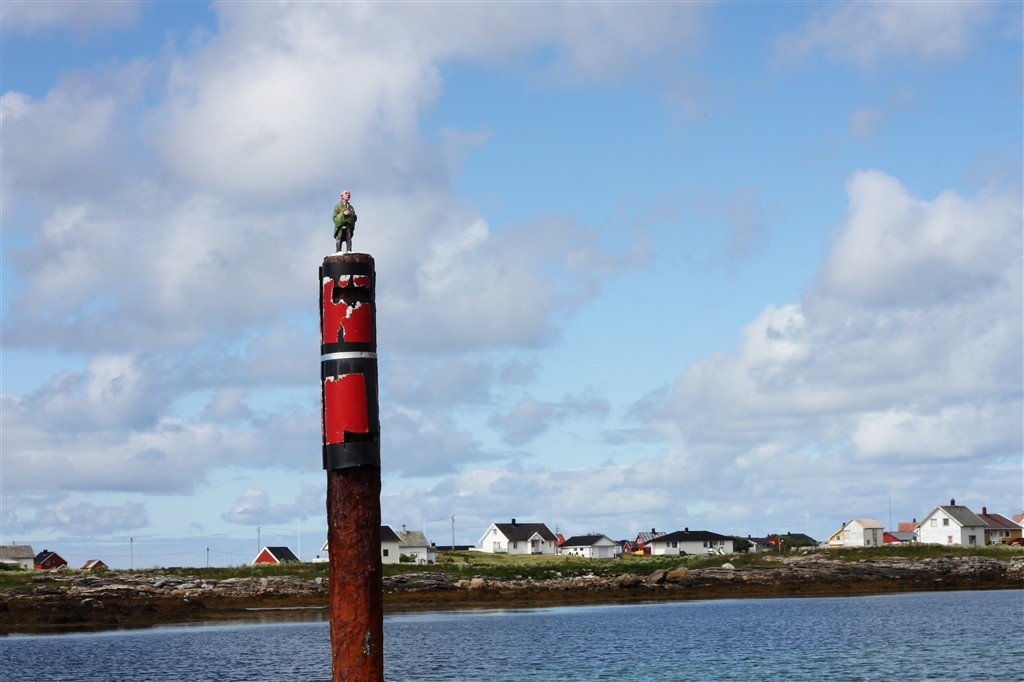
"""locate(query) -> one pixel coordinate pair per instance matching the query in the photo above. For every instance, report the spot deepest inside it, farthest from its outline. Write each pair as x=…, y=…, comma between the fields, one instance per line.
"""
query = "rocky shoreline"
x=75, y=601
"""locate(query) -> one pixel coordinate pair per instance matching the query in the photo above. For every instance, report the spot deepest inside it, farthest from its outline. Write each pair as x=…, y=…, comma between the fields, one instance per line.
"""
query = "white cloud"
x=227, y=404
x=910, y=333
x=866, y=33
x=276, y=102
x=426, y=441
x=85, y=518
x=254, y=507
x=530, y=418
x=71, y=139
x=955, y=432
x=898, y=250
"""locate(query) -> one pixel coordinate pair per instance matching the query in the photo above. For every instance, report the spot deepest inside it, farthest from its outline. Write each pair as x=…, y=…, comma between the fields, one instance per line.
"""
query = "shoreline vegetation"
x=59, y=601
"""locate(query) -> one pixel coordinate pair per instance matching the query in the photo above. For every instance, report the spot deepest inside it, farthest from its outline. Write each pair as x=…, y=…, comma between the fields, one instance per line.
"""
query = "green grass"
x=543, y=567
x=922, y=552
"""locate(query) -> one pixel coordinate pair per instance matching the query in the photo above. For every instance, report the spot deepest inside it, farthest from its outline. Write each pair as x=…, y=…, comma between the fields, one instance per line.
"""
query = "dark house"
x=275, y=555
x=47, y=559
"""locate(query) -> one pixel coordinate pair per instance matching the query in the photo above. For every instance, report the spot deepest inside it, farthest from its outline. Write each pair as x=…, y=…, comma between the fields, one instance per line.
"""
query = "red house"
x=275, y=555
x=94, y=565
x=47, y=559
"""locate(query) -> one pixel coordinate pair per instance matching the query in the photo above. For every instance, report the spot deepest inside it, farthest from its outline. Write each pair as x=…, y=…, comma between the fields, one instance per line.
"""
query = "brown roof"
x=995, y=521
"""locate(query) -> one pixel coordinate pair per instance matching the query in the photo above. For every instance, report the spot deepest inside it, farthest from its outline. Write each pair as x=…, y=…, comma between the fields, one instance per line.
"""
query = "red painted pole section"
x=351, y=455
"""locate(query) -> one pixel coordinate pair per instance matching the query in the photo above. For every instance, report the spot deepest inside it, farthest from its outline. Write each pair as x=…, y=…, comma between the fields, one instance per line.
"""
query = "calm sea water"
x=952, y=636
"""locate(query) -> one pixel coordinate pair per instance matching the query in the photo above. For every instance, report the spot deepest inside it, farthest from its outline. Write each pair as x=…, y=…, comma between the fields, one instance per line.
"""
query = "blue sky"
x=748, y=267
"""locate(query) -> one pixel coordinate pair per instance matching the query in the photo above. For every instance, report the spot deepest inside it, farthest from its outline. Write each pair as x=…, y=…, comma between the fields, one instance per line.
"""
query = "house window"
x=384, y=552
x=945, y=522
x=949, y=539
x=515, y=545
x=675, y=544
x=972, y=540
x=934, y=523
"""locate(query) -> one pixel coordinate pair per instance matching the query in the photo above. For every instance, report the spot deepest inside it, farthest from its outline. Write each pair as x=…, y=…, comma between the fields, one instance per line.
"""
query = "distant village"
x=950, y=524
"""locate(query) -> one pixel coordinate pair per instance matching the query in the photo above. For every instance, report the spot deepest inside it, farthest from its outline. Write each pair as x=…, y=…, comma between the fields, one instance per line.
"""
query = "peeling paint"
x=345, y=407
x=344, y=322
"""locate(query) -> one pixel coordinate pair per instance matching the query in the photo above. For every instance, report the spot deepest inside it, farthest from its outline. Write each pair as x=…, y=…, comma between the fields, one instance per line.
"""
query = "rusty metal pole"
x=350, y=421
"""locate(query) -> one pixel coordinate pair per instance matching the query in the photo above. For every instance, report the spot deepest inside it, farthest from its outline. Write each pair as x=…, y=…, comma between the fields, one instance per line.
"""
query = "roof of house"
x=93, y=563
x=961, y=514
x=282, y=554
x=867, y=523
x=46, y=554
x=521, y=532
x=386, y=535
x=793, y=537
x=585, y=540
x=412, y=538
x=647, y=537
x=389, y=535
x=997, y=521
x=15, y=552
x=690, y=536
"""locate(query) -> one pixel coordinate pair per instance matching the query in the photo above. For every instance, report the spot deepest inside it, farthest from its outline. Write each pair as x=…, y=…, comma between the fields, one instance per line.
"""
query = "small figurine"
x=344, y=221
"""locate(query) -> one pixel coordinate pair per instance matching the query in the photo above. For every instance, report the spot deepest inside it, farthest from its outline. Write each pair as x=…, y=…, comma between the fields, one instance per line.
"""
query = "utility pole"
x=453, y=532
x=131, y=554
x=350, y=419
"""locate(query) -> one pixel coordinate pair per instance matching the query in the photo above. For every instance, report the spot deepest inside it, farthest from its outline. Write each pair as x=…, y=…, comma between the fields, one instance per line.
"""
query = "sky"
x=740, y=267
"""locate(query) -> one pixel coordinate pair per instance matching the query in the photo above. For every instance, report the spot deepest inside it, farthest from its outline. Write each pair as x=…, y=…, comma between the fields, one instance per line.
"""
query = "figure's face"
x=345, y=196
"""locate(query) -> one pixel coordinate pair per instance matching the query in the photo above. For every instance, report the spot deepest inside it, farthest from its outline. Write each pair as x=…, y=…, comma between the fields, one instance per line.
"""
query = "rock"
x=656, y=578
x=149, y=598
x=628, y=581
x=678, y=575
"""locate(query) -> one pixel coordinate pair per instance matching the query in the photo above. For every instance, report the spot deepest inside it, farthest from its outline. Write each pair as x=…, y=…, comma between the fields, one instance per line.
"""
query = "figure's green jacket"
x=341, y=220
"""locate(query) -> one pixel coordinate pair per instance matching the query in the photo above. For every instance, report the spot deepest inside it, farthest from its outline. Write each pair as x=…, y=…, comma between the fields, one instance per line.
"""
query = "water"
x=943, y=636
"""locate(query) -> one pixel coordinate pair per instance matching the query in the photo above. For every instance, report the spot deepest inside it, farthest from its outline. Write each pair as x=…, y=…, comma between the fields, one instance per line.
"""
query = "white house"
x=390, y=547
x=759, y=545
x=952, y=525
x=690, y=542
x=858, y=533
x=21, y=556
x=590, y=546
x=414, y=546
x=518, y=538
